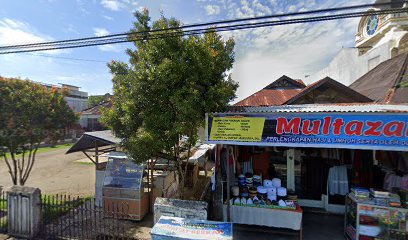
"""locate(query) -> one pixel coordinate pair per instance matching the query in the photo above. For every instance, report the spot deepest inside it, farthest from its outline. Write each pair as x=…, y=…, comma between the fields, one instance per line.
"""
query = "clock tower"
x=379, y=30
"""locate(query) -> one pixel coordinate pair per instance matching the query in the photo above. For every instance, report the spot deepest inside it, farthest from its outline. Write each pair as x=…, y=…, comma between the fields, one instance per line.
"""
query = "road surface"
x=55, y=172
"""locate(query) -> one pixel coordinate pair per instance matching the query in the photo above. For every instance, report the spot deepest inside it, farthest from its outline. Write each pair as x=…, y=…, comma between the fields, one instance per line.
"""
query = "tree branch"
x=30, y=163
x=13, y=158
x=13, y=176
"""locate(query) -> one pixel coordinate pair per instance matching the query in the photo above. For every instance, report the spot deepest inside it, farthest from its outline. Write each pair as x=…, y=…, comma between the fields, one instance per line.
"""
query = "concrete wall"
x=77, y=104
x=24, y=211
x=346, y=67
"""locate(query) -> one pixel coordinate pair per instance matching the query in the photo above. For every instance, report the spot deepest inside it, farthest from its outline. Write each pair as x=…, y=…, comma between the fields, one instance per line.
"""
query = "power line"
x=95, y=42
x=327, y=10
x=200, y=31
x=67, y=58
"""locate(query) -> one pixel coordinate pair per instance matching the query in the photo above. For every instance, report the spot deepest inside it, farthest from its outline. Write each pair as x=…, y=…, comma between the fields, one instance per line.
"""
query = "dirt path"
x=55, y=172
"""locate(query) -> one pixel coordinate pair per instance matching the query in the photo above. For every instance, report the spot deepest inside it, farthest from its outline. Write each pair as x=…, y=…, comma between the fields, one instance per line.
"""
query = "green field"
x=46, y=149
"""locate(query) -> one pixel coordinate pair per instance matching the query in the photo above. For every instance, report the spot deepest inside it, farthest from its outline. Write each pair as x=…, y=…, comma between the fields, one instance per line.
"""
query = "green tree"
x=165, y=91
x=30, y=114
x=95, y=100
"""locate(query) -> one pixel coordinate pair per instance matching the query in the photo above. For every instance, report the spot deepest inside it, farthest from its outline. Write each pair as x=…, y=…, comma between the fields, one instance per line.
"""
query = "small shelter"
x=93, y=145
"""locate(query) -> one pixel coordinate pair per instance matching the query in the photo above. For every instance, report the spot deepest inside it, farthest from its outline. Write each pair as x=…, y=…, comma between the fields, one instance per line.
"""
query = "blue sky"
x=262, y=55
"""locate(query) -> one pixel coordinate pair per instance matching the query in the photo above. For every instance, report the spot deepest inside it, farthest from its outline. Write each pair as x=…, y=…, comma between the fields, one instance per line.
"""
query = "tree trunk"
x=181, y=178
x=11, y=172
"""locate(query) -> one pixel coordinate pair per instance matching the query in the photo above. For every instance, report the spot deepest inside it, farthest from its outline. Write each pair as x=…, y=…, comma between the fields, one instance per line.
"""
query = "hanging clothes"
x=261, y=164
x=231, y=163
x=338, y=180
x=223, y=160
x=314, y=179
x=391, y=180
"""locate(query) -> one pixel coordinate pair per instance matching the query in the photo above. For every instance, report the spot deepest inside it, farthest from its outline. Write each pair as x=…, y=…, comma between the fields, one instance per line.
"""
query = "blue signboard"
x=181, y=228
x=385, y=131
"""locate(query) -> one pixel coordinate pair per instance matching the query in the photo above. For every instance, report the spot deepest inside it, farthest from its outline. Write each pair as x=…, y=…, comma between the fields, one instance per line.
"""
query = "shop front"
x=272, y=161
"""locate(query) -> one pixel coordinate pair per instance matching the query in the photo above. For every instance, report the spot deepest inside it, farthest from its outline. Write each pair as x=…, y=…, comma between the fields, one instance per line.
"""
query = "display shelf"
x=123, y=188
x=379, y=222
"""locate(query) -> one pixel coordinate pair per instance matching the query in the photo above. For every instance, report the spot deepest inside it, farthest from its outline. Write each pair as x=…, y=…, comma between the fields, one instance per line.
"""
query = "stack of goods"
x=249, y=180
x=395, y=200
x=360, y=193
x=380, y=197
x=268, y=183
x=235, y=191
x=378, y=193
x=276, y=182
x=292, y=195
x=270, y=195
x=281, y=193
x=262, y=193
x=252, y=192
x=257, y=180
x=241, y=180
x=244, y=192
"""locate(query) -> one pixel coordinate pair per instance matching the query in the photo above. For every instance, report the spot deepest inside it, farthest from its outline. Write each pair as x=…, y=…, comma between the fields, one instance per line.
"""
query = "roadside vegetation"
x=161, y=97
x=44, y=149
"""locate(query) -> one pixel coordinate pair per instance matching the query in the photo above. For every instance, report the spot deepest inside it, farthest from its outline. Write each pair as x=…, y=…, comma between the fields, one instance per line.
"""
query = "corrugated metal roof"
x=96, y=110
x=89, y=139
x=353, y=96
x=338, y=107
x=268, y=97
x=381, y=83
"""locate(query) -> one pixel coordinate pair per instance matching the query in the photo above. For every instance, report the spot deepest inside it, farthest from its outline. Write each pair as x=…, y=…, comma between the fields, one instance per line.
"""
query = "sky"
x=262, y=55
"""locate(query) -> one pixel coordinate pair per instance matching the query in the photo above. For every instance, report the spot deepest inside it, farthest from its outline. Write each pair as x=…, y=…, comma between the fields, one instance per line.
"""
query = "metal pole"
x=228, y=187
x=96, y=154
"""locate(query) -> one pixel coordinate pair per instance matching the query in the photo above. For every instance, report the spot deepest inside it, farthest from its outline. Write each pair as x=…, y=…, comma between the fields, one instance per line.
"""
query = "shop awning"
x=90, y=140
x=353, y=126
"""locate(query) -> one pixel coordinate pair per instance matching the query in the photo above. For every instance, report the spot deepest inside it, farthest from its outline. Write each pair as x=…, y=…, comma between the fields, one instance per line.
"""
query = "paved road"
x=54, y=172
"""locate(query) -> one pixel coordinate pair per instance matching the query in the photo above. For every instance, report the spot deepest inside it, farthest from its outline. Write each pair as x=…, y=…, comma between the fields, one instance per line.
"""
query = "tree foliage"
x=30, y=114
x=166, y=89
x=95, y=100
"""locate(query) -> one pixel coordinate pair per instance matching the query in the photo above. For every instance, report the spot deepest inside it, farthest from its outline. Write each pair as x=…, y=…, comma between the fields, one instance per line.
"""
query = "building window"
x=372, y=24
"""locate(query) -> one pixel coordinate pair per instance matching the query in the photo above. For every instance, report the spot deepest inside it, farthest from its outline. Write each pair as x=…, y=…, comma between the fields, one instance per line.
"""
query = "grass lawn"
x=3, y=204
x=54, y=207
x=46, y=149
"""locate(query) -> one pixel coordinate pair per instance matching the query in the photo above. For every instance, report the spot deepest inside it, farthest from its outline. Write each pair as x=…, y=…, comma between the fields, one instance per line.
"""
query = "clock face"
x=372, y=24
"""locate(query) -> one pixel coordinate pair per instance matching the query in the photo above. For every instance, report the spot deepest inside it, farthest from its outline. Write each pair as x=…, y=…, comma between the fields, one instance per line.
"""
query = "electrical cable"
x=66, y=58
x=214, y=23
x=215, y=28
x=268, y=23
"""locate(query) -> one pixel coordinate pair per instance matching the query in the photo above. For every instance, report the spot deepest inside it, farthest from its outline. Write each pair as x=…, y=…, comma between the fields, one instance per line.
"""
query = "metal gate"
x=64, y=217
x=3, y=211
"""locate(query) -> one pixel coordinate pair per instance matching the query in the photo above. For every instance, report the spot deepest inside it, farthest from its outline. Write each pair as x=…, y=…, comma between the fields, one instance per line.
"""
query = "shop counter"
x=270, y=217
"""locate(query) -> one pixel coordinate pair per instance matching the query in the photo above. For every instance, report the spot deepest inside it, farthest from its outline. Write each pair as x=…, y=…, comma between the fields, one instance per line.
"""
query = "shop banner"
x=237, y=128
x=383, y=131
x=181, y=228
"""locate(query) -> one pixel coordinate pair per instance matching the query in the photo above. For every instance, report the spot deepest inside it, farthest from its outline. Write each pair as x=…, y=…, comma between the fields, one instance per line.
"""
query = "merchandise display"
x=123, y=184
x=366, y=219
x=266, y=196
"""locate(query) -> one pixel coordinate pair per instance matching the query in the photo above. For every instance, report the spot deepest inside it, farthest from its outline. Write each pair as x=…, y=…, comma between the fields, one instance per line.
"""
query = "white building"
x=378, y=38
x=77, y=100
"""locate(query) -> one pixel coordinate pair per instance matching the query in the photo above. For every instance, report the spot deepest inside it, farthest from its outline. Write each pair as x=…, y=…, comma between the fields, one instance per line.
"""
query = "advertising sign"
x=181, y=228
x=237, y=128
x=383, y=131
